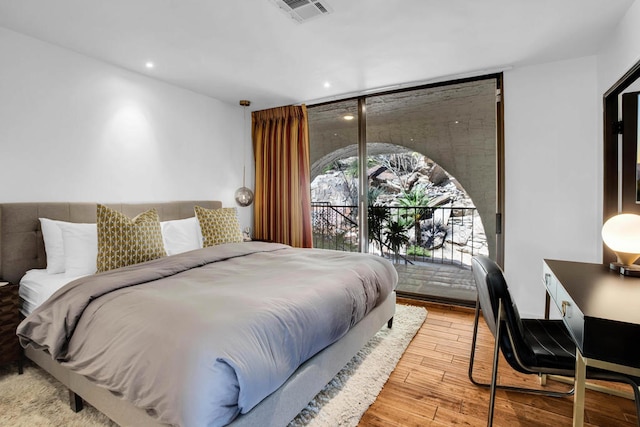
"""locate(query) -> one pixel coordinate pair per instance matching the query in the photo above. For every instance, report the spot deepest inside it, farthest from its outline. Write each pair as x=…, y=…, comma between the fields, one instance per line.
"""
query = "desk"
x=601, y=310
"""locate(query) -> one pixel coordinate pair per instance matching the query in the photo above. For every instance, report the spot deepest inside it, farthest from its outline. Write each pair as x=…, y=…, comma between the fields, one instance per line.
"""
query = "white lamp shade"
x=621, y=233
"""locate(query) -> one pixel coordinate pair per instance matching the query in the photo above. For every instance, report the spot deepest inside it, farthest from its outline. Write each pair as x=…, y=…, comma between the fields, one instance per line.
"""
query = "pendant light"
x=244, y=196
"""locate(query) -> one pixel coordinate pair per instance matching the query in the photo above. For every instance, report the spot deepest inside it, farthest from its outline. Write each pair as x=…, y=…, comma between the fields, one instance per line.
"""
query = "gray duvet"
x=200, y=337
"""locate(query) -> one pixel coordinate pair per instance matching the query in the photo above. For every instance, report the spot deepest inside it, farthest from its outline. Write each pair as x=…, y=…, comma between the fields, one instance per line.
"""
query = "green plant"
x=352, y=169
x=396, y=236
x=435, y=235
x=377, y=217
x=418, y=251
x=328, y=168
x=415, y=202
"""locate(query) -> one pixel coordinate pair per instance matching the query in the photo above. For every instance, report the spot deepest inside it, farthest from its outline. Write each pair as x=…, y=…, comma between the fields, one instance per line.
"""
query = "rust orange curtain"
x=282, y=206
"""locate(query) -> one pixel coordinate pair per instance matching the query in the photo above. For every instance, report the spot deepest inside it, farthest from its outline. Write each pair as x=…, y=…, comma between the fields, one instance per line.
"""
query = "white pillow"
x=181, y=235
x=53, y=245
x=80, y=248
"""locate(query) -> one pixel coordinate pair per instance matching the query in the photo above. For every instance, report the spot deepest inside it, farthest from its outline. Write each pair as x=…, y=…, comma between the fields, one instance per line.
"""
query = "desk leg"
x=547, y=305
x=578, y=397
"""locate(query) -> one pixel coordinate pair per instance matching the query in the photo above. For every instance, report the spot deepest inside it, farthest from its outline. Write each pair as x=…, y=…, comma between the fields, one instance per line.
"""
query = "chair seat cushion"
x=554, y=349
x=551, y=344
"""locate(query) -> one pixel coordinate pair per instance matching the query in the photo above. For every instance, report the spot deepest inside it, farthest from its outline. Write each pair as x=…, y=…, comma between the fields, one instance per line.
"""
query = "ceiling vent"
x=303, y=10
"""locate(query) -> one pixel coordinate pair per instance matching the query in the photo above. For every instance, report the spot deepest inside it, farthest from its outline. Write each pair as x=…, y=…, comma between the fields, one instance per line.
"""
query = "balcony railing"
x=444, y=234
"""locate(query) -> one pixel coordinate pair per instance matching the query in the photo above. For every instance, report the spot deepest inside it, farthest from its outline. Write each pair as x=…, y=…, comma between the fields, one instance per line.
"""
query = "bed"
x=22, y=249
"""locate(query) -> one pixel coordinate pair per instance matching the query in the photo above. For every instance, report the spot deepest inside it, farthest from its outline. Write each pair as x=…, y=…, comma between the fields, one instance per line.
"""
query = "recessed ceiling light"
x=149, y=64
x=348, y=117
x=327, y=85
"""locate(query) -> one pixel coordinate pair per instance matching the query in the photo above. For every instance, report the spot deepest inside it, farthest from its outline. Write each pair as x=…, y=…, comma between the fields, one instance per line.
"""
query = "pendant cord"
x=244, y=144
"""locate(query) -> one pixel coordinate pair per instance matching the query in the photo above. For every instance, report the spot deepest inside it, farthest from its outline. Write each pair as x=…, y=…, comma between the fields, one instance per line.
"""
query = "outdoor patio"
x=435, y=281
x=438, y=270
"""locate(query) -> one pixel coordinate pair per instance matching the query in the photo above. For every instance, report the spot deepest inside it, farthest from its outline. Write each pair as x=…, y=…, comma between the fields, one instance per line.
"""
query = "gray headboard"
x=21, y=244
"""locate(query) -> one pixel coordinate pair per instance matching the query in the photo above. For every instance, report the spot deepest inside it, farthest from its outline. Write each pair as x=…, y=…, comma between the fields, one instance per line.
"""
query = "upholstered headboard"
x=21, y=244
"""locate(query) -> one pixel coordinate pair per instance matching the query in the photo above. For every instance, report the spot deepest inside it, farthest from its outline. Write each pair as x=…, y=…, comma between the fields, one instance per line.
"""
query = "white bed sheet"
x=37, y=286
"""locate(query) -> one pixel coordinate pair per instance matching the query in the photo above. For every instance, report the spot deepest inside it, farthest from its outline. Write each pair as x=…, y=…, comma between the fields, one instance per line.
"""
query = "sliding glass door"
x=426, y=173
x=335, y=186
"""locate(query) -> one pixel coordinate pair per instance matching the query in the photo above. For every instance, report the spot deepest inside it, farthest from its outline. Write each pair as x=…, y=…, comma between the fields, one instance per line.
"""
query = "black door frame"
x=611, y=188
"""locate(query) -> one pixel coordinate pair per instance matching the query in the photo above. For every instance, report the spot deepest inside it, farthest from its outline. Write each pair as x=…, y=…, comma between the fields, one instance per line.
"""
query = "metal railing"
x=444, y=234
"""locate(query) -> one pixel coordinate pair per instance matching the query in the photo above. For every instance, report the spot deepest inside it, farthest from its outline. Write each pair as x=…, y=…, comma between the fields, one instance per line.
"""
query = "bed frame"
x=22, y=249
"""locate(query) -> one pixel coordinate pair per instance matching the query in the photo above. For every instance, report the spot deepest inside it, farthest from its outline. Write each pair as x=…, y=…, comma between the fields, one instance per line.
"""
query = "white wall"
x=621, y=51
x=553, y=150
x=552, y=155
x=77, y=129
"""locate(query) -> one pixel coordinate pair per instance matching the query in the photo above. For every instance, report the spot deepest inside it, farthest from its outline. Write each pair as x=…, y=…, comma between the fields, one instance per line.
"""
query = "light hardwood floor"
x=430, y=387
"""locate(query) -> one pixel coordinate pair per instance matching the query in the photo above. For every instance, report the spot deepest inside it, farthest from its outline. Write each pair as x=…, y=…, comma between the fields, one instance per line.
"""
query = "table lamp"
x=621, y=233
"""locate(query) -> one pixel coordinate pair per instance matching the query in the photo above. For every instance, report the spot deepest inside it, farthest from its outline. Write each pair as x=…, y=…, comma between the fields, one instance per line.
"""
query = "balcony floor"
x=434, y=281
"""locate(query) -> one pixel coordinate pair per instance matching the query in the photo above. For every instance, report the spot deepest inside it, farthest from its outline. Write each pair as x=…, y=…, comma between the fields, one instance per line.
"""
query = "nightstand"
x=10, y=350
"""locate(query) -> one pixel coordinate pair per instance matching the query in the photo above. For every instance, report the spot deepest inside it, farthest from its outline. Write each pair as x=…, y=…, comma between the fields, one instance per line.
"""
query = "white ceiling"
x=249, y=49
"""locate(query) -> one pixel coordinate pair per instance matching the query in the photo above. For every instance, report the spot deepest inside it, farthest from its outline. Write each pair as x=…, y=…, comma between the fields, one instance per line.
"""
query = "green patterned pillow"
x=219, y=226
x=124, y=241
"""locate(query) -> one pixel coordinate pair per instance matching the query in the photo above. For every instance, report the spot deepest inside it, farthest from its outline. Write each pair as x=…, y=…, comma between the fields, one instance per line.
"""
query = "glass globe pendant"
x=244, y=196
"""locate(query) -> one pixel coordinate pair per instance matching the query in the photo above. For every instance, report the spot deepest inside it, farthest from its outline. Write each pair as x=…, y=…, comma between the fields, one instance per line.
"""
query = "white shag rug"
x=347, y=397
x=37, y=399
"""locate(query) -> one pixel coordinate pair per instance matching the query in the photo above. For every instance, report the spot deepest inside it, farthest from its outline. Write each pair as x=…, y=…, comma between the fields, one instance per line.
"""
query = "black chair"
x=530, y=346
